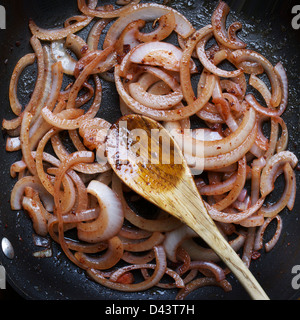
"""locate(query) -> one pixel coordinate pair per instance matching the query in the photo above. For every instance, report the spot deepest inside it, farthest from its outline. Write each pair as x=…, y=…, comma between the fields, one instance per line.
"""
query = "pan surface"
x=267, y=30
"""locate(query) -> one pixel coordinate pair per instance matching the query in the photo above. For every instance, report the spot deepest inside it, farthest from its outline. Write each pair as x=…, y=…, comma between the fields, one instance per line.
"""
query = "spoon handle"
x=200, y=221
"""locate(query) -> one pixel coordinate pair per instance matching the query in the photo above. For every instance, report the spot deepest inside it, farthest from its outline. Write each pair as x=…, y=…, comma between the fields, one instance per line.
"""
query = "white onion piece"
x=215, y=148
x=269, y=171
x=110, y=219
x=59, y=53
x=197, y=252
x=152, y=100
x=38, y=219
x=160, y=54
x=206, y=134
x=33, y=182
x=147, y=12
x=175, y=238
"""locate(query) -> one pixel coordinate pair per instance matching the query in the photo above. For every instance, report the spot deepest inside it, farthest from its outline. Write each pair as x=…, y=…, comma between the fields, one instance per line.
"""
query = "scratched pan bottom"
x=267, y=30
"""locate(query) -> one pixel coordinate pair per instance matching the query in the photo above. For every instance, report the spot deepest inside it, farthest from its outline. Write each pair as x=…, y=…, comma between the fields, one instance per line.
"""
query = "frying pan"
x=267, y=29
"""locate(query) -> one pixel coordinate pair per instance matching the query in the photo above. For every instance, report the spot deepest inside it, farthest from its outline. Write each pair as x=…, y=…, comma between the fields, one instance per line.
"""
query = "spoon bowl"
x=146, y=158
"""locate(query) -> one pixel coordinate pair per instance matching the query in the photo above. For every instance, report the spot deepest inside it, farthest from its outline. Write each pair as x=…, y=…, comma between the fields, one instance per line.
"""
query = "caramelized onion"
x=218, y=21
x=68, y=192
x=147, y=12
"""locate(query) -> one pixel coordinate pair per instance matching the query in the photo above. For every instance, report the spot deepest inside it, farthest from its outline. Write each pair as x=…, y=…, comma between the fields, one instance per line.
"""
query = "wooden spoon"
x=139, y=153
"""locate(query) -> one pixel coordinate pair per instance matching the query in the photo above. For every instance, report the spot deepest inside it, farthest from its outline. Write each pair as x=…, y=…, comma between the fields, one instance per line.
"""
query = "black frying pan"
x=267, y=29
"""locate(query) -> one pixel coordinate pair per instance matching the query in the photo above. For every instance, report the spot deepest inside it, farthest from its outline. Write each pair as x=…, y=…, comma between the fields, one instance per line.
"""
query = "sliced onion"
x=161, y=265
x=143, y=244
x=103, y=13
x=167, y=24
x=210, y=66
x=236, y=189
x=218, y=21
x=217, y=147
x=38, y=219
x=110, y=219
x=185, y=78
x=154, y=101
x=271, y=168
x=58, y=34
x=198, y=252
x=105, y=261
x=174, y=239
x=227, y=159
x=147, y=12
x=233, y=217
x=163, y=115
x=161, y=54
x=280, y=72
x=249, y=55
x=19, y=68
x=59, y=53
x=258, y=244
x=19, y=188
x=272, y=210
x=202, y=282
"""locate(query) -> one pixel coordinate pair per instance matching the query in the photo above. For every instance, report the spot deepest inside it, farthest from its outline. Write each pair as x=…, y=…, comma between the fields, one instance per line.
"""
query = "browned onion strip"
x=143, y=244
x=185, y=63
x=36, y=214
x=167, y=23
x=227, y=159
x=274, y=209
x=58, y=34
x=236, y=189
x=153, y=78
x=258, y=244
x=218, y=22
x=77, y=157
x=161, y=265
x=249, y=55
x=105, y=14
x=218, y=188
x=210, y=66
x=165, y=115
x=280, y=72
x=202, y=282
x=12, y=125
x=233, y=217
x=132, y=258
x=218, y=147
x=24, y=138
x=25, y=61
x=105, y=261
x=147, y=12
x=270, y=170
x=37, y=95
x=58, y=121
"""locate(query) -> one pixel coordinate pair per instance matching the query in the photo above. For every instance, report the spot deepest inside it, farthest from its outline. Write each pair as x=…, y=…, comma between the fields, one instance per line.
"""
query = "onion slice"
x=218, y=21
x=147, y=12
x=110, y=219
x=161, y=265
x=271, y=168
x=160, y=54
